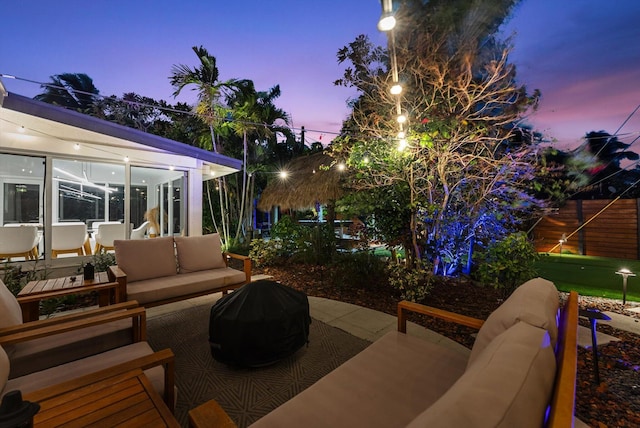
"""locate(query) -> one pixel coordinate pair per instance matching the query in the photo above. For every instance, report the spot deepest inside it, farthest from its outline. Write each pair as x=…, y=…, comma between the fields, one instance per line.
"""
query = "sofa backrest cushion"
x=509, y=385
x=196, y=253
x=146, y=258
x=535, y=302
x=10, y=312
x=5, y=368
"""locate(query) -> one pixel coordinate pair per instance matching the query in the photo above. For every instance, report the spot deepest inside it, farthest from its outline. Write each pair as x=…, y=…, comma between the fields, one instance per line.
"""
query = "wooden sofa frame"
x=120, y=277
x=563, y=397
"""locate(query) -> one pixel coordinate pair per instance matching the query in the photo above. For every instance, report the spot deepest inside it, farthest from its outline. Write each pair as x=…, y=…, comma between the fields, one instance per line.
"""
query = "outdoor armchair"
x=139, y=232
x=37, y=345
x=107, y=233
x=19, y=241
x=69, y=238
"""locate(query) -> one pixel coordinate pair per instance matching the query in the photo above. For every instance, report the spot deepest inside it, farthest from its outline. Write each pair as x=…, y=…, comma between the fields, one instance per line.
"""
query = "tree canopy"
x=464, y=159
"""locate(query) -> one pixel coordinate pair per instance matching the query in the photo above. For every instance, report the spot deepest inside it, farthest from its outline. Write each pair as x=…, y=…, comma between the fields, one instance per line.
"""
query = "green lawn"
x=590, y=276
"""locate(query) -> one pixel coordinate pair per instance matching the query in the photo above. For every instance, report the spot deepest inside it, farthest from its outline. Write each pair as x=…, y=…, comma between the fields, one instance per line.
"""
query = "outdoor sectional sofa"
x=521, y=372
x=167, y=269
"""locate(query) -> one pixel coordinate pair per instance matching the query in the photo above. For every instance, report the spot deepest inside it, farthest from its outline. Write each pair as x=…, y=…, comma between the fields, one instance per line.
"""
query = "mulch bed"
x=613, y=403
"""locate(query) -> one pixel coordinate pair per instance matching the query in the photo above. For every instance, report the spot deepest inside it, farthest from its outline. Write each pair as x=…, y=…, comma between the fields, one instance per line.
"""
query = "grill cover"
x=259, y=324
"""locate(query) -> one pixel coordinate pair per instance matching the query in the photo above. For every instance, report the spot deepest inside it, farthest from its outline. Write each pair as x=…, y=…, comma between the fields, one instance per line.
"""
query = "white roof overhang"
x=31, y=126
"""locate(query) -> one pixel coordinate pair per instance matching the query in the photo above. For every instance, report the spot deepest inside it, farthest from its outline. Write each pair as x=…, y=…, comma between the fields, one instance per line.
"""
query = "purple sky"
x=582, y=54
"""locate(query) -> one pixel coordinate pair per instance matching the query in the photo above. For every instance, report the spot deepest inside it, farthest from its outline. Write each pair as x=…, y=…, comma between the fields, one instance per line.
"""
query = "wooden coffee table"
x=35, y=291
x=127, y=399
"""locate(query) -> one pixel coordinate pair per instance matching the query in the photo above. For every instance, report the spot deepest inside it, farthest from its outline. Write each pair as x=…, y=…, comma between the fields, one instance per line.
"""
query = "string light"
x=396, y=89
x=162, y=108
x=387, y=23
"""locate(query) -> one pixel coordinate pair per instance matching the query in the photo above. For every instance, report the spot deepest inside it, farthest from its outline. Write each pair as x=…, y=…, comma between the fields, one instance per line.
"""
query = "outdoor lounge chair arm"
x=564, y=389
x=246, y=263
x=116, y=274
x=69, y=317
x=406, y=306
x=164, y=357
x=17, y=334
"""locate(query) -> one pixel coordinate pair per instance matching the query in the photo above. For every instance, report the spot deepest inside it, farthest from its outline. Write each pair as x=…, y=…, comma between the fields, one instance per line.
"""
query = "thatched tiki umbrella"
x=310, y=179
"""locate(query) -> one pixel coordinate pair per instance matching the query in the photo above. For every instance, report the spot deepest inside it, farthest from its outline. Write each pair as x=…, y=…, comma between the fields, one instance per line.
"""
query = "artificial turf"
x=589, y=275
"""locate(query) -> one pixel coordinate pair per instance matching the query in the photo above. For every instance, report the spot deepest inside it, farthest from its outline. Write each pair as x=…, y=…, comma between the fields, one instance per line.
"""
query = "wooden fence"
x=611, y=232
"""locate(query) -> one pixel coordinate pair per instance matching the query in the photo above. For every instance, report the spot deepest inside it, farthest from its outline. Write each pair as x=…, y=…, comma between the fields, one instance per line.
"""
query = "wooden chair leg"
x=87, y=248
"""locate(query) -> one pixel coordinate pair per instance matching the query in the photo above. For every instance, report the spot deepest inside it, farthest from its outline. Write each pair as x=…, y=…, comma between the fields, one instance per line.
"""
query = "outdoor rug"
x=246, y=394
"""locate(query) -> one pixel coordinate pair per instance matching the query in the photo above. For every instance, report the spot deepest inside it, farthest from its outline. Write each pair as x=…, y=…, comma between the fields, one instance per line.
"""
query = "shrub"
x=414, y=283
x=102, y=261
x=315, y=245
x=15, y=279
x=358, y=269
x=290, y=240
x=267, y=252
x=507, y=263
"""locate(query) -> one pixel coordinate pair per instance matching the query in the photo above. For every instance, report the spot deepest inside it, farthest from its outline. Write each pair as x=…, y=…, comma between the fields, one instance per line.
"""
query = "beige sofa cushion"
x=75, y=369
x=146, y=258
x=4, y=369
x=175, y=286
x=196, y=253
x=535, y=302
x=509, y=385
x=49, y=351
x=10, y=313
x=386, y=385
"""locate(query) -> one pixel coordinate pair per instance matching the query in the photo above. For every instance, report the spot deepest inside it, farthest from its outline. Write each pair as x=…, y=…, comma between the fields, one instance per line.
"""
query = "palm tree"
x=255, y=118
x=74, y=91
x=205, y=79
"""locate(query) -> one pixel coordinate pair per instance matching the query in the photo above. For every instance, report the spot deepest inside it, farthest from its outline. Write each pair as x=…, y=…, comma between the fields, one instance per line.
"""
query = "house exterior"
x=60, y=167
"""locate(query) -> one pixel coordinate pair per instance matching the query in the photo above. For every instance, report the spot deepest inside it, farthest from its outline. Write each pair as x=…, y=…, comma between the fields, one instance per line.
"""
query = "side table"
x=30, y=296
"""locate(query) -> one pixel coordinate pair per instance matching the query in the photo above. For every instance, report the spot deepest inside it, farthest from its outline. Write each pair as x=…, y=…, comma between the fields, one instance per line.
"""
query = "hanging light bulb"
x=402, y=144
x=401, y=135
x=387, y=22
x=402, y=118
x=396, y=89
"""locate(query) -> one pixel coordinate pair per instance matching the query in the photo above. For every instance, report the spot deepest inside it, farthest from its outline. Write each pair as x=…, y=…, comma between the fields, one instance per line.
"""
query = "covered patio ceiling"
x=31, y=126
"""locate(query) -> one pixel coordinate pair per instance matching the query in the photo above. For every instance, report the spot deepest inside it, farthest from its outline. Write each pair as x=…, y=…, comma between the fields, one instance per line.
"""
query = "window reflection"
x=156, y=193
x=21, y=188
x=86, y=194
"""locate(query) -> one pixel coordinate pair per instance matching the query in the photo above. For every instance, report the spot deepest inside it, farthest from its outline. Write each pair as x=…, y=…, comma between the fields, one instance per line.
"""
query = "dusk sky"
x=582, y=54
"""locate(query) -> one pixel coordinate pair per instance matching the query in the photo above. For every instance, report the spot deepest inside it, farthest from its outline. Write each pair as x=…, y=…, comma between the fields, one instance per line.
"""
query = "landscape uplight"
x=625, y=274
